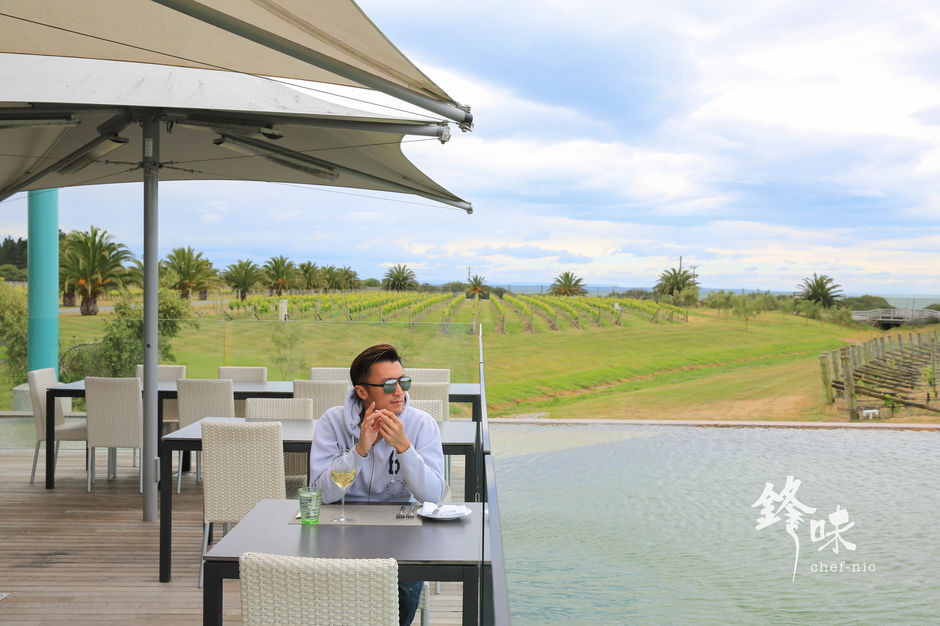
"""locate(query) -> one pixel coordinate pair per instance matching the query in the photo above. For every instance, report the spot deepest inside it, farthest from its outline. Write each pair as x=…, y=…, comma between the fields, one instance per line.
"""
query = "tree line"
x=92, y=263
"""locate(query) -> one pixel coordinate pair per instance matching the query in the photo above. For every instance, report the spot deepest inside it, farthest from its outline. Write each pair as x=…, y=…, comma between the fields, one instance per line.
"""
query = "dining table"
x=457, y=437
x=431, y=550
x=459, y=392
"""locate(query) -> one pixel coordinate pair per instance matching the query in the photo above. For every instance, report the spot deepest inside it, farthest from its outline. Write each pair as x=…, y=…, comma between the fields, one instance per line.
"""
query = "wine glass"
x=343, y=473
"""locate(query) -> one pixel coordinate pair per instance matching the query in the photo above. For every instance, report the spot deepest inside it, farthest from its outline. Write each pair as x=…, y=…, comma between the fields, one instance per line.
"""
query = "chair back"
x=115, y=412
x=435, y=408
x=301, y=590
x=428, y=375
x=295, y=463
x=165, y=372
x=243, y=463
x=204, y=397
x=325, y=394
x=329, y=373
x=244, y=374
x=279, y=409
x=432, y=391
x=40, y=380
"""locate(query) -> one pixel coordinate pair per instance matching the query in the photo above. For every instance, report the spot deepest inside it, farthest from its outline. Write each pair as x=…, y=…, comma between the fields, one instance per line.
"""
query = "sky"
x=759, y=141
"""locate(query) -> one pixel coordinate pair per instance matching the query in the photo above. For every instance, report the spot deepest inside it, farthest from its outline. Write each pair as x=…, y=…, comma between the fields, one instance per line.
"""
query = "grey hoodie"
x=383, y=475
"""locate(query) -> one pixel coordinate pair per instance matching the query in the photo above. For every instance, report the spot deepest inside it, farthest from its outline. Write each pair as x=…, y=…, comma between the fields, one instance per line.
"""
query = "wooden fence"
x=883, y=373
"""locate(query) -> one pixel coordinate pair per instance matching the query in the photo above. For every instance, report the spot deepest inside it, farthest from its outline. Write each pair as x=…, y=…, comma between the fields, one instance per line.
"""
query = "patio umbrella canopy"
x=79, y=78
x=329, y=41
x=69, y=122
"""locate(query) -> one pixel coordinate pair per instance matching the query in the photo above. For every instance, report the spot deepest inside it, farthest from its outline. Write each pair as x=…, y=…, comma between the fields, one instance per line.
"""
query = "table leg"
x=50, y=440
x=471, y=593
x=212, y=594
x=469, y=477
x=166, y=510
x=477, y=409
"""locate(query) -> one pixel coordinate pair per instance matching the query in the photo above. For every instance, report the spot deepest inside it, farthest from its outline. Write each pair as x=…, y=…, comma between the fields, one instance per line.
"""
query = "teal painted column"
x=43, y=276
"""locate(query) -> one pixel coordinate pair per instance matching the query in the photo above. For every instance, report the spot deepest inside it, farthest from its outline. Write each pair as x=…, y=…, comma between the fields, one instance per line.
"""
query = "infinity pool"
x=635, y=524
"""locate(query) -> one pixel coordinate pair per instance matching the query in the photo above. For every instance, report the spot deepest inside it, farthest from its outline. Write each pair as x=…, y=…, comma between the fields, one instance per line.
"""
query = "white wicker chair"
x=171, y=411
x=432, y=391
x=298, y=590
x=295, y=463
x=435, y=408
x=199, y=398
x=115, y=419
x=325, y=394
x=39, y=381
x=326, y=374
x=428, y=375
x=244, y=464
x=243, y=375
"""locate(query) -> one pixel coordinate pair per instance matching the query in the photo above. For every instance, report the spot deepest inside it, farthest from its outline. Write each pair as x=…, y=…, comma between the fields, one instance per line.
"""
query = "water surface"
x=636, y=524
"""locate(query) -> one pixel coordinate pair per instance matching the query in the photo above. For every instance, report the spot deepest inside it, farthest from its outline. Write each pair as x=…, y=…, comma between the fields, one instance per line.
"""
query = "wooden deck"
x=67, y=556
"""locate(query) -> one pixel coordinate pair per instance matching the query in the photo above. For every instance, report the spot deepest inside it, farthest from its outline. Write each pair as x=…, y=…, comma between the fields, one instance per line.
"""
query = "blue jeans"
x=408, y=596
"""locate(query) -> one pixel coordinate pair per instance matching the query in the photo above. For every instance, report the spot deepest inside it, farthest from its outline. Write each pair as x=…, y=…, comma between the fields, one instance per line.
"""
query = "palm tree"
x=91, y=264
x=400, y=278
x=821, y=289
x=332, y=277
x=349, y=277
x=311, y=274
x=477, y=285
x=134, y=274
x=242, y=276
x=567, y=284
x=674, y=281
x=188, y=271
x=279, y=273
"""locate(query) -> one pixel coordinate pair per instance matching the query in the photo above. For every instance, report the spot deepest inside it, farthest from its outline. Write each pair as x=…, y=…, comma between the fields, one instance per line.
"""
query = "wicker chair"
x=39, y=381
x=115, y=419
x=428, y=375
x=298, y=590
x=434, y=408
x=171, y=411
x=244, y=464
x=295, y=463
x=326, y=374
x=199, y=398
x=243, y=375
x=325, y=394
x=432, y=391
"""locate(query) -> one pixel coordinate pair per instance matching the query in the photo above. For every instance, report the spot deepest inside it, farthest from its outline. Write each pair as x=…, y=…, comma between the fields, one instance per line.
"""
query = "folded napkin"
x=444, y=510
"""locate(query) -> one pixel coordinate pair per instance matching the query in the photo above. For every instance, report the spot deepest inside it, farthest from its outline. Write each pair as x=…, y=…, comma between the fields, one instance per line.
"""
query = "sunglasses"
x=389, y=385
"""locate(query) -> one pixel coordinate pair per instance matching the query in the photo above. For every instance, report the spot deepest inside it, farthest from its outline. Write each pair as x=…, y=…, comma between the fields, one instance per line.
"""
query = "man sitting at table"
x=398, y=453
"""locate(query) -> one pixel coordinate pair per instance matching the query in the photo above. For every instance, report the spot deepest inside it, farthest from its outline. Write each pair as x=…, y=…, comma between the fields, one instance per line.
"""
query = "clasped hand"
x=381, y=424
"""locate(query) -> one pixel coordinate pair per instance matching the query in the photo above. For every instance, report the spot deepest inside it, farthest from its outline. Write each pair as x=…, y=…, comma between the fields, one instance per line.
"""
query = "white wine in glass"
x=343, y=473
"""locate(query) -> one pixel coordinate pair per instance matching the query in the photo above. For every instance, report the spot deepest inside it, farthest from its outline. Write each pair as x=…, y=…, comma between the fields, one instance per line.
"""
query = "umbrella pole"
x=148, y=457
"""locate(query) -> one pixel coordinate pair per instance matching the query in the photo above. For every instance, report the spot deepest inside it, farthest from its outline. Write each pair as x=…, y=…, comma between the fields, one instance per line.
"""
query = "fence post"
x=826, y=379
x=849, y=383
x=933, y=362
x=836, y=375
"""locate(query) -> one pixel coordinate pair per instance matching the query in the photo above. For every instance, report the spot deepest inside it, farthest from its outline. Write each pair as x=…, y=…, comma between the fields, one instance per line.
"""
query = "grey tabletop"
x=267, y=529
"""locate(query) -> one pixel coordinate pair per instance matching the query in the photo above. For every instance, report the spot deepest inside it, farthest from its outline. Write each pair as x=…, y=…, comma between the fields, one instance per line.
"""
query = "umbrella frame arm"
x=107, y=131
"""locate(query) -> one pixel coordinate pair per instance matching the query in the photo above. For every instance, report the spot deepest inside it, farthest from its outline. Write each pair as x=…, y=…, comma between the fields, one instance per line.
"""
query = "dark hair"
x=359, y=369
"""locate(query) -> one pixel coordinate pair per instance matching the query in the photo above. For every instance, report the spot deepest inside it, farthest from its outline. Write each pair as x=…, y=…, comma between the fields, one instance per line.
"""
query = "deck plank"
x=67, y=556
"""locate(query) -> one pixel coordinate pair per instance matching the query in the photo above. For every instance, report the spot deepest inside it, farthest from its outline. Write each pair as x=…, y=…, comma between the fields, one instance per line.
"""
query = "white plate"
x=442, y=517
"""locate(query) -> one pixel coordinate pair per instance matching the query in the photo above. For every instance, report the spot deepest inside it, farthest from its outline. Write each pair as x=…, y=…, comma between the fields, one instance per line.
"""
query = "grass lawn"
x=710, y=367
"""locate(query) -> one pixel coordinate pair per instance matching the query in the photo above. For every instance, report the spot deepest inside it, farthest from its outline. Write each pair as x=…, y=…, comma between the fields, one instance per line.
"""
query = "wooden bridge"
x=887, y=318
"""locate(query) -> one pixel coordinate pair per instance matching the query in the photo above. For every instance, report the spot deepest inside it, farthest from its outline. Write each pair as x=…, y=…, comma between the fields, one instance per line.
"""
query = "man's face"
x=378, y=374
